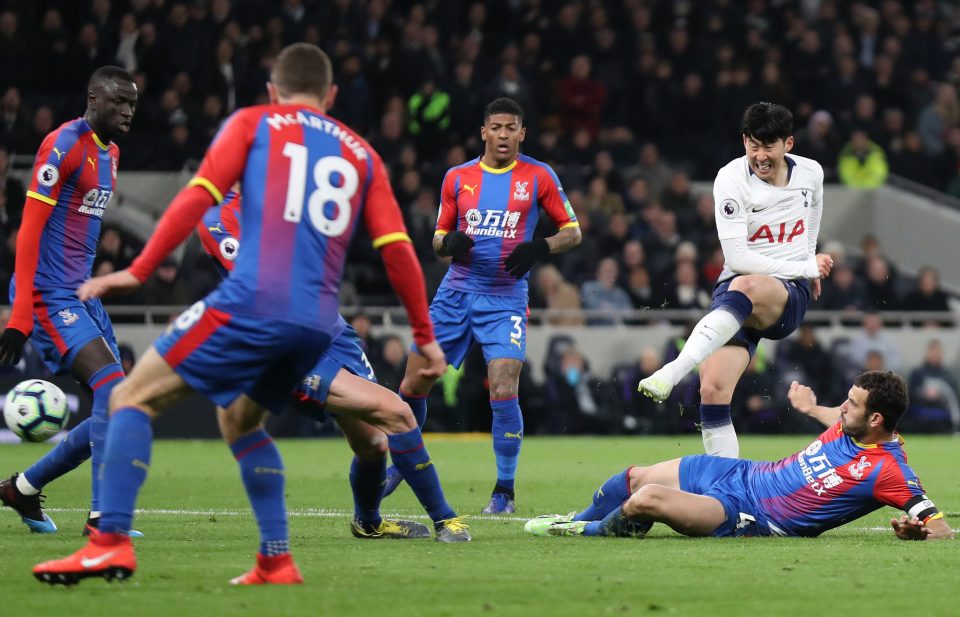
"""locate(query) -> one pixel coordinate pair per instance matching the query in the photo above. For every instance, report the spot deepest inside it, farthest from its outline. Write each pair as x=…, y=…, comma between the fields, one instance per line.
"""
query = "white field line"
x=328, y=513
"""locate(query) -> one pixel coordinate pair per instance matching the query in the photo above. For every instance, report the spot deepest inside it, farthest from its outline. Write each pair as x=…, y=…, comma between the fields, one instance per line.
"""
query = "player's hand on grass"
x=434, y=355
x=824, y=264
x=815, y=288
x=11, y=345
x=801, y=397
x=115, y=282
x=457, y=244
x=524, y=255
x=909, y=528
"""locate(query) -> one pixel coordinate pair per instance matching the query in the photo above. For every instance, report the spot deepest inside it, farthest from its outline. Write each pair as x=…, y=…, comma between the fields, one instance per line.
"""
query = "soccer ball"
x=36, y=410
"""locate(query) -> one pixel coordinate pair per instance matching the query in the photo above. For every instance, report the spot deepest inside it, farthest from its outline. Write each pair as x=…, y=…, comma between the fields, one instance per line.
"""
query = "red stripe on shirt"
x=211, y=321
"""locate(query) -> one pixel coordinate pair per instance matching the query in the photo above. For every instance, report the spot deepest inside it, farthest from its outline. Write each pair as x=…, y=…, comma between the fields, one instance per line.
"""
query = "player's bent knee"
x=646, y=501
x=371, y=452
x=712, y=391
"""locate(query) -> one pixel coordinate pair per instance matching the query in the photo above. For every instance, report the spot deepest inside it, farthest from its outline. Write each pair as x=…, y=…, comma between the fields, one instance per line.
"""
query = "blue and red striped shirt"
x=835, y=480
x=76, y=174
x=307, y=180
x=499, y=209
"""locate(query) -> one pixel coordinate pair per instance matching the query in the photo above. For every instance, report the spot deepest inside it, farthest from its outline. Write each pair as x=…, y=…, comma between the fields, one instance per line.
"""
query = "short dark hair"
x=106, y=75
x=302, y=68
x=503, y=105
x=767, y=122
x=886, y=395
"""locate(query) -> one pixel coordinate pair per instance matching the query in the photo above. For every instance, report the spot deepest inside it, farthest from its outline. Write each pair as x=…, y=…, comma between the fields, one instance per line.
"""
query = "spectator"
x=927, y=296
x=12, y=196
x=873, y=339
x=602, y=293
x=802, y=358
x=581, y=98
x=940, y=115
x=882, y=291
x=934, y=395
x=560, y=298
x=389, y=368
x=862, y=164
x=165, y=287
x=843, y=291
x=429, y=112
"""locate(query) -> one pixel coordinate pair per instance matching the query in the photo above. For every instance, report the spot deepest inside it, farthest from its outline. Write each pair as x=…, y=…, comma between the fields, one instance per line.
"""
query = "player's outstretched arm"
x=907, y=528
x=118, y=282
x=803, y=399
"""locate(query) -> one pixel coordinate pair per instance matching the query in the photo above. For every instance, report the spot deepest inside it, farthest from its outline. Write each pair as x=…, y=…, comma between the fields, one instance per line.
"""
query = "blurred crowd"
x=628, y=100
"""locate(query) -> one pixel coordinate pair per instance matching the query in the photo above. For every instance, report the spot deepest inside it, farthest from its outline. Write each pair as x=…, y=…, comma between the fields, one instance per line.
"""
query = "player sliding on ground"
x=308, y=181
x=767, y=208
x=853, y=468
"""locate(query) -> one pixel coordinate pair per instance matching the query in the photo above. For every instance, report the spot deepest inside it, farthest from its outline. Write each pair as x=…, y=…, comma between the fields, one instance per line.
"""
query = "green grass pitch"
x=199, y=533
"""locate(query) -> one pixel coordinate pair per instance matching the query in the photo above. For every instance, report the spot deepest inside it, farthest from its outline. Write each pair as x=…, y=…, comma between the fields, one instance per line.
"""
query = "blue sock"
x=65, y=457
x=715, y=416
x=413, y=461
x=418, y=405
x=126, y=459
x=101, y=383
x=736, y=303
x=608, y=497
x=617, y=524
x=263, y=476
x=366, y=480
x=507, y=438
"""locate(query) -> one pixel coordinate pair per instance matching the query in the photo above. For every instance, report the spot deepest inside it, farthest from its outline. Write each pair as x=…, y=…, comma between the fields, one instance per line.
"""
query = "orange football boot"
x=276, y=570
x=107, y=555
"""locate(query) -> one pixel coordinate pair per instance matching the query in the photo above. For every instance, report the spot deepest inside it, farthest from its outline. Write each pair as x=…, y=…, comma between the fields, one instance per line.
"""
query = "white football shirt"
x=780, y=224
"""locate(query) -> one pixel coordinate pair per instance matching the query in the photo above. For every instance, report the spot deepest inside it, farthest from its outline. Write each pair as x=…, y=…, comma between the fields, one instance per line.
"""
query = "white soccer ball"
x=36, y=410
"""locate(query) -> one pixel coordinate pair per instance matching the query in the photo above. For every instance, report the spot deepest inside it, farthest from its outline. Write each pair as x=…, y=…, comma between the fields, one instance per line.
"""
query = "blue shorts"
x=798, y=298
x=725, y=479
x=223, y=355
x=62, y=325
x=498, y=323
x=345, y=352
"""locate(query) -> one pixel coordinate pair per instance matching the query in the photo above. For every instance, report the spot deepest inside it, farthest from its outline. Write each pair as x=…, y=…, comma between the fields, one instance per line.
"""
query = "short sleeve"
x=224, y=162
x=381, y=213
x=553, y=200
x=447, y=216
x=56, y=160
x=729, y=207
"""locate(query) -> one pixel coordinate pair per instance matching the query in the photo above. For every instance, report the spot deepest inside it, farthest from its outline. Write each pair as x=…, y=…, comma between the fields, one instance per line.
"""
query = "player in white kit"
x=768, y=207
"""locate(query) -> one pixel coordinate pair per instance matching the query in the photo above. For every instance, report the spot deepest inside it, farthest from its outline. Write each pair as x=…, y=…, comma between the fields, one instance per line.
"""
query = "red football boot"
x=276, y=570
x=108, y=555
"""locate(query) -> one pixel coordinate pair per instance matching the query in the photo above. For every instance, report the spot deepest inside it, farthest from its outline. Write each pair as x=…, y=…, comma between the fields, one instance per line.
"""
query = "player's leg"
x=151, y=386
x=368, y=473
x=97, y=365
x=355, y=397
x=618, y=488
x=79, y=344
x=719, y=375
x=262, y=472
x=753, y=301
x=507, y=431
x=453, y=334
x=499, y=324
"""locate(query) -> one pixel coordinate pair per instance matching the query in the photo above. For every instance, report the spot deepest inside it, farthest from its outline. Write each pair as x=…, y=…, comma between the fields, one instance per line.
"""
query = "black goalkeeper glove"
x=525, y=255
x=457, y=244
x=11, y=345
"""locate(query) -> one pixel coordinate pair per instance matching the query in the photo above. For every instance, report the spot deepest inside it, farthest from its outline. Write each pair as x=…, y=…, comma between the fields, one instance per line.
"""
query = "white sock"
x=721, y=441
x=710, y=334
x=94, y=514
x=24, y=486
